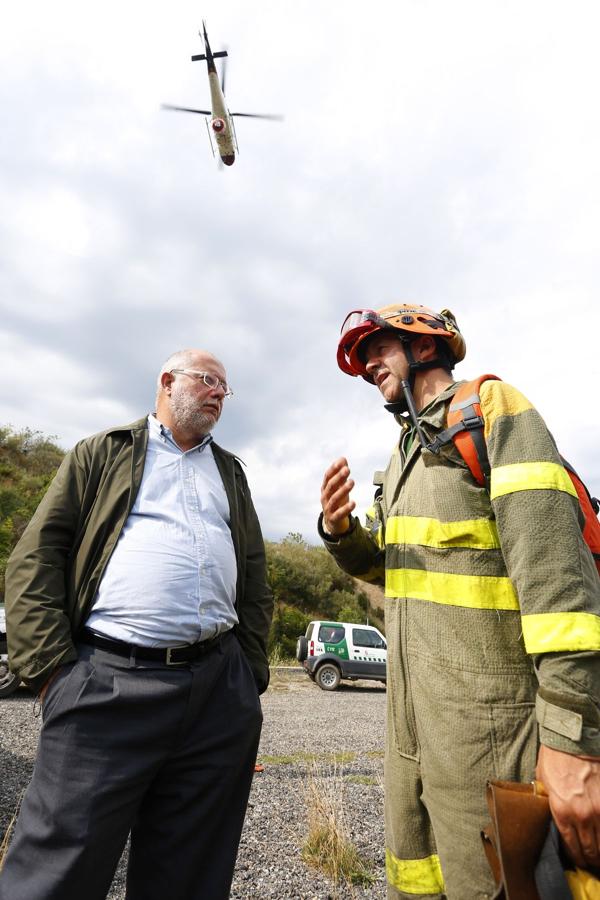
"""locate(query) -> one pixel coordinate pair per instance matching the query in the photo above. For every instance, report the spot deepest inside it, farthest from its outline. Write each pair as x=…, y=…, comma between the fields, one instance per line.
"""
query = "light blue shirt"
x=172, y=576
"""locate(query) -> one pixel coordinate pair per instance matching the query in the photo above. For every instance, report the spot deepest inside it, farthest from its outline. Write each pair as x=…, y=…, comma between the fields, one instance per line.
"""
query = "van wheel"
x=328, y=677
x=301, y=648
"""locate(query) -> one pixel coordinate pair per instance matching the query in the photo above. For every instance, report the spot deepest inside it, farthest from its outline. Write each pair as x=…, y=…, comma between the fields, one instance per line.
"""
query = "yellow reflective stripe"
x=375, y=527
x=414, y=876
x=533, y=476
x=551, y=632
x=377, y=535
x=583, y=885
x=499, y=399
x=480, y=534
x=474, y=591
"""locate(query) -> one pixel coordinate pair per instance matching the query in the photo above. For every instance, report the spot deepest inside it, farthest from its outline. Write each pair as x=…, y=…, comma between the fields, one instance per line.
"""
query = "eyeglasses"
x=210, y=380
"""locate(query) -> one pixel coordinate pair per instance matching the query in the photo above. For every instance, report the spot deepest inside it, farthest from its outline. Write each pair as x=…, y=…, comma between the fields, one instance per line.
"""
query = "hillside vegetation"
x=28, y=461
x=307, y=585
x=305, y=580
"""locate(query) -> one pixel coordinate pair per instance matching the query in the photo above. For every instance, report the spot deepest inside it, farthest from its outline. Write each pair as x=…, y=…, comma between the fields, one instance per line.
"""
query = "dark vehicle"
x=8, y=682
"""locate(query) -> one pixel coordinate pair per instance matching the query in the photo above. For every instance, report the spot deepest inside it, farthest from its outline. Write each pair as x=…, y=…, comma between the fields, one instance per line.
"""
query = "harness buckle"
x=470, y=423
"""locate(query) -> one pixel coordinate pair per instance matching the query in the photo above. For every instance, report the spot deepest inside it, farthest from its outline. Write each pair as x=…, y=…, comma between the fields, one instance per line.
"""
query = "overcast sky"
x=442, y=152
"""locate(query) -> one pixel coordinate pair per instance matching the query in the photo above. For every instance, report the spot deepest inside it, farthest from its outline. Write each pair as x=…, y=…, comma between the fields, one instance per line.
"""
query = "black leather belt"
x=170, y=656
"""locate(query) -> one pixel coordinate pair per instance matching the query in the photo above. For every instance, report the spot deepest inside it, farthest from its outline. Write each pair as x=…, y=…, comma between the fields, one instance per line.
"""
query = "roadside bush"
x=307, y=584
x=288, y=623
x=28, y=463
x=351, y=612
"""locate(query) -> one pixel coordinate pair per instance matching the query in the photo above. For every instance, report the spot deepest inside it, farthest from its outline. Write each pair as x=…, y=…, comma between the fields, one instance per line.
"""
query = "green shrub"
x=307, y=584
x=28, y=462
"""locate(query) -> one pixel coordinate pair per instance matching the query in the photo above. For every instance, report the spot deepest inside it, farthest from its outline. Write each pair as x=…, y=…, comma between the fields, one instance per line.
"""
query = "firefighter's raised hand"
x=573, y=787
x=335, y=497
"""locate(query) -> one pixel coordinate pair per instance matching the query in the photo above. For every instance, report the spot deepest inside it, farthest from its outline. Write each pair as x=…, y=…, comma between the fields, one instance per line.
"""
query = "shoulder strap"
x=590, y=507
x=465, y=428
x=469, y=439
x=593, y=501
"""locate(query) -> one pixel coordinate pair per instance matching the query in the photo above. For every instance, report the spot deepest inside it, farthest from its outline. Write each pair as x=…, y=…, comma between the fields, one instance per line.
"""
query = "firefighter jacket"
x=491, y=582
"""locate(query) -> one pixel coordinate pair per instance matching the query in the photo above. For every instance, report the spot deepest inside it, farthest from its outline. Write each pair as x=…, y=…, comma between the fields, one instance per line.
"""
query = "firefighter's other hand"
x=573, y=787
x=335, y=497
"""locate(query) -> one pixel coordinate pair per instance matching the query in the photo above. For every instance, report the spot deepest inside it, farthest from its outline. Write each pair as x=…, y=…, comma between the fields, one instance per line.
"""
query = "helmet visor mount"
x=356, y=326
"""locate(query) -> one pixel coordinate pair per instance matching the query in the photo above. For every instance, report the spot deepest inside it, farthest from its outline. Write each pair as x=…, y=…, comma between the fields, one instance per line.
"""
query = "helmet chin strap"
x=407, y=404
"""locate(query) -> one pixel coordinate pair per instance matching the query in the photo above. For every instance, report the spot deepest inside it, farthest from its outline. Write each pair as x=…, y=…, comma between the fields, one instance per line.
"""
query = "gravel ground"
x=335, y=738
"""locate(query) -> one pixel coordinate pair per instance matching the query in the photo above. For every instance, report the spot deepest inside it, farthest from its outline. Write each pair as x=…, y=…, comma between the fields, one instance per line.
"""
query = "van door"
x=369, y=652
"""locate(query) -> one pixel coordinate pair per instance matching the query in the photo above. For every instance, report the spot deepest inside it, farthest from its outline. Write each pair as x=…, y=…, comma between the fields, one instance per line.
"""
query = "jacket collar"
x=225, y=460
x=232, y=477
x=432, y=419
x=434, y=414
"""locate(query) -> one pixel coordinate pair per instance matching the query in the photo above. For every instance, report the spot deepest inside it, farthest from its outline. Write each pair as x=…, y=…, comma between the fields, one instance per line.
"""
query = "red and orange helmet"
x=411, y=319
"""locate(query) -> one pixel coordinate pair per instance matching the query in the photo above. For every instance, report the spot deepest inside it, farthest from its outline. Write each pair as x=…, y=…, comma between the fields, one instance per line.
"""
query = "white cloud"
x=441, y=153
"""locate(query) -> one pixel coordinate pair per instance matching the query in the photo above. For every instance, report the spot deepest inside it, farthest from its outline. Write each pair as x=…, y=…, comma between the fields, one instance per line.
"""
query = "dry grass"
x=303, y=757
x=281, y=679
x=278, y=658
x=8, y=833
x=362, y=779
x=328, y=846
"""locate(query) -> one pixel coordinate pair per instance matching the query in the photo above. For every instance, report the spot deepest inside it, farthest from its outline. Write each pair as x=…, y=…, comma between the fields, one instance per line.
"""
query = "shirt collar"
x=158, y=430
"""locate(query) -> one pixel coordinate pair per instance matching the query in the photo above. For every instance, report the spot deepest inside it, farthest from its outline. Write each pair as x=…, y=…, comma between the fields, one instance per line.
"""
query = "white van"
x=330, y=651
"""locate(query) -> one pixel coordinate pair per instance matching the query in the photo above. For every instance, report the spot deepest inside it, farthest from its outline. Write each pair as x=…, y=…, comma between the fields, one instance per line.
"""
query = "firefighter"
x=492, y=608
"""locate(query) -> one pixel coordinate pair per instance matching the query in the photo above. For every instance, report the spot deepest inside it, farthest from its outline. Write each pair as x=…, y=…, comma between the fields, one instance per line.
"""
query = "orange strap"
x=465, y=410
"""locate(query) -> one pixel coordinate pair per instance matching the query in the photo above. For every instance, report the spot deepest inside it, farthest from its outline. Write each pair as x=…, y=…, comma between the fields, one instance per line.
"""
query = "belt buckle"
x=174, y=662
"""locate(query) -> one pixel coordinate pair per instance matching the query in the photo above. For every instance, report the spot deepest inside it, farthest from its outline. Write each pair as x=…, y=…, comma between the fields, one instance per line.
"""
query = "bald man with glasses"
x=138, y=609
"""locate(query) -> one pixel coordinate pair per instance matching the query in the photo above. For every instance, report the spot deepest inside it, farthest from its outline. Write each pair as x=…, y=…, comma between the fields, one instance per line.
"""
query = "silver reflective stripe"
x=474, y=398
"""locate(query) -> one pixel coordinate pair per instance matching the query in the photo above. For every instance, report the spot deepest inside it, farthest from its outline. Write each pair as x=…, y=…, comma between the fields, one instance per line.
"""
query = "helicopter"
x=219, y=121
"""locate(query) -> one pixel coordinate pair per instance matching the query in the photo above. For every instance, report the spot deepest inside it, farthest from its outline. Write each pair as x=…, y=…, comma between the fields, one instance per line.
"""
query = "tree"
x=288, y=623
x=28, y=462
x=307, y=584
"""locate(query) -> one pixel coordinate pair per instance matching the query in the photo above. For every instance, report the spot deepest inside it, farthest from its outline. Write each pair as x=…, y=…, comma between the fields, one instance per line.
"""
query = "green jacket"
x=54, y=571
x=492, y=582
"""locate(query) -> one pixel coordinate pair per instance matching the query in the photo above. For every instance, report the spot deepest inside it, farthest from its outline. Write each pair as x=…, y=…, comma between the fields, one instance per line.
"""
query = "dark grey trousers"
x=164, y=752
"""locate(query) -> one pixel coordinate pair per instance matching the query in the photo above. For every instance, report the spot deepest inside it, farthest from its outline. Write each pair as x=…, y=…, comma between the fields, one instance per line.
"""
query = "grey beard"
x=188, y=418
